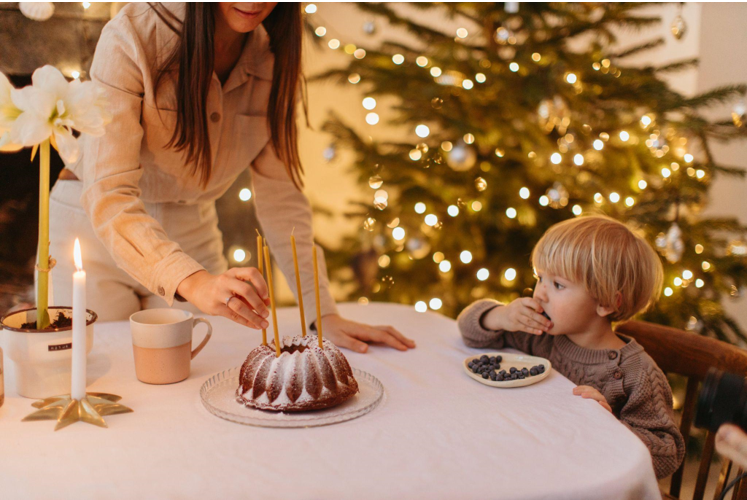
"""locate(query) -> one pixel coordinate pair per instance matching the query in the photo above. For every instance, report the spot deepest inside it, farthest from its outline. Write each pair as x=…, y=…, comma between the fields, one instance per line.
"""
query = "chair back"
x=690, y=355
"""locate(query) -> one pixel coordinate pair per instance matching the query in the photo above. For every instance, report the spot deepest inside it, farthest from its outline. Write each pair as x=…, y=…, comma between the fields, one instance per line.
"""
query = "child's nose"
x=539, y=292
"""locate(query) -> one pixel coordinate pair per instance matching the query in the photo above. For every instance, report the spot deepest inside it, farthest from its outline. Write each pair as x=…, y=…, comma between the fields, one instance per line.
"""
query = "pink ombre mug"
x=162, y=344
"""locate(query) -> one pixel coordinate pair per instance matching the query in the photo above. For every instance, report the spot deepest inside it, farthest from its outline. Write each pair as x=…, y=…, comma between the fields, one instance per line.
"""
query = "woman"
x=198, y=93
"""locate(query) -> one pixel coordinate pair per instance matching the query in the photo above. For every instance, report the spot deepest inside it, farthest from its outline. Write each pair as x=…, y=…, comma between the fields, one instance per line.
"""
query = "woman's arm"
x=282, y=209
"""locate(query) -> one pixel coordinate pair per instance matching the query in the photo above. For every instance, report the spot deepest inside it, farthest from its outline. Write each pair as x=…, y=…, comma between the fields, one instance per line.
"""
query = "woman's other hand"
x=356, y=336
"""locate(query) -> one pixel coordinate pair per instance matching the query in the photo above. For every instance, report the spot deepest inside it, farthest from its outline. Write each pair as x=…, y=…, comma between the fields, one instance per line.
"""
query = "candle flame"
x=78, y=258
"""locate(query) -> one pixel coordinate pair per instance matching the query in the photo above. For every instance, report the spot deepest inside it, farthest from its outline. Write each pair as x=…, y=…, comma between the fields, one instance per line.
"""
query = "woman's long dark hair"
x=193, y=57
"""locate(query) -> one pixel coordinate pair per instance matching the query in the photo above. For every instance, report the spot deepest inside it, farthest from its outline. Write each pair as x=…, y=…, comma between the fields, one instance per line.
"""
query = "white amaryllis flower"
x=51, y=108
x=8, y=114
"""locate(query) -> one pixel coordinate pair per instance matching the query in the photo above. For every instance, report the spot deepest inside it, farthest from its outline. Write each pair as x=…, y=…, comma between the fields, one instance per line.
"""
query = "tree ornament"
x=673, y=244
x=558, y=195
x=461, y=157
x=330, y=152
x=36, y=11
x=737, y=248
x=369, y=27
x=678, y=27
x=418, y=247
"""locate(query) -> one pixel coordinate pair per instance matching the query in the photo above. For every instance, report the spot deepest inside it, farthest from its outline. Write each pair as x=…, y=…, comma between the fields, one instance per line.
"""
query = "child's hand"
x=523, y=314
x=588, y=392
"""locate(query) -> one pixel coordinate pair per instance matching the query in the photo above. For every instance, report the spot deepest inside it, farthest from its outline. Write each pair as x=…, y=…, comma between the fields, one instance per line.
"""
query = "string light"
x=354, y=78
x=624, y=136
x=577, y=210
x=598, y=198
x=642, y=184
x=369, y=103
x=469, y=138
x=476, y=206
x=614, y=197
x=422, y=61
x=245, y=194
x=239, y=255
x=668, y=292
x=706, y=265
x=373, y=119
x=598, y=145
x=444, y=266
x=431, y=220
x=75, y=74
x=453, y=210
x=435, y=71
x=467, y=84
x=513, y=67
x=421, y=306
x=398, y=59
x=677, y=281
x=480, y=78
x=446, y=146
x=544, y=200
x=420, y=207
x=536, y=57
x=415, y=154
x=334, y=44
x=511, y=213
x=686, y=274
x=320, y=31
x=556, y=158
x=384, y=261
x=699, y=249
x=462, y=33
x=699, y=283
x=350, y=49
x=422, y=131
x=435, y=304
x=483, y=274
x=499, y=152
x=85, y=6
x=571, y=78
x=438, y=257
x=310, y=9
x=359, y=54
x=578, y=159
x=645, y=121
x=510, y=274
x=665, y=172
x=524, y=193
x=688, y=158
x=700, y=173
x=398, y=233
x=465, y=256
x=629, y=201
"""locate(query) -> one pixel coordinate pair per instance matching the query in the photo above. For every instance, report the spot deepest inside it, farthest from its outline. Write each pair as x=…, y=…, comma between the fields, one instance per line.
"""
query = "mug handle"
x=207, y=337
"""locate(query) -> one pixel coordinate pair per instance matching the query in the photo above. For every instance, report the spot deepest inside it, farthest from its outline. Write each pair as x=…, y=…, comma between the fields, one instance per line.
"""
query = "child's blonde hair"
x=607, y=258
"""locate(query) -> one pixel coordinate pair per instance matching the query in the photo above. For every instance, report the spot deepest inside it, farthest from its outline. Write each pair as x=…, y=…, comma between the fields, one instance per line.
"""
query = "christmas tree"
x=510, y=128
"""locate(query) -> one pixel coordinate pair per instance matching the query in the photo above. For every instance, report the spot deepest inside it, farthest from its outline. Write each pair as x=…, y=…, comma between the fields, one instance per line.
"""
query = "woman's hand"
x=523, y=314
x=588, y=392
x=244, y=286
x=354, y=336
x=731, y=442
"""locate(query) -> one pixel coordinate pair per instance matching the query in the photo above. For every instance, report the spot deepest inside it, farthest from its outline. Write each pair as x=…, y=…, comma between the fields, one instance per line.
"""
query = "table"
x=437, y=434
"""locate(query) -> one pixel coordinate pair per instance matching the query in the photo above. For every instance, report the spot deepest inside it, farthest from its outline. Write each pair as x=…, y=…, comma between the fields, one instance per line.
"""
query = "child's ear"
x=605, y=311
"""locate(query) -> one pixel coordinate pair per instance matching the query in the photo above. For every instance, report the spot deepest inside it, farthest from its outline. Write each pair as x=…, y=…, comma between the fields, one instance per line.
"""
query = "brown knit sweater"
x=635, y=388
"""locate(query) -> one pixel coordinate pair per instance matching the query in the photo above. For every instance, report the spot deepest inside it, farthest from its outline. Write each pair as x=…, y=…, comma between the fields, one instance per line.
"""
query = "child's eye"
x=538, y=278
x=558, y=285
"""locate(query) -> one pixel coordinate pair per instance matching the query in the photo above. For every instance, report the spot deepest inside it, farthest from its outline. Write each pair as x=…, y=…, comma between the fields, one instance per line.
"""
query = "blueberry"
x=499, y=358
x=502, y=372
x=522, y=376
x=493, y=376
x=524, y=371
x=541, y=368
x=484, y=358
x=471, y=364
x=534, y=371
x=513, y=369
x=497, y=366
x=474, y=369
x=499, y=377
x=485, y=375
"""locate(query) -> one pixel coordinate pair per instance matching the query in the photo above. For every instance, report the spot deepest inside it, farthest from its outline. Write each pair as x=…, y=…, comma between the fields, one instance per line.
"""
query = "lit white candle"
x=78, y=379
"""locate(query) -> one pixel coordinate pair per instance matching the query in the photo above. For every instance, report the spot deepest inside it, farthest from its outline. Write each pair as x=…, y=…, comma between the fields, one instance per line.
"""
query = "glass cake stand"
x=218, y=394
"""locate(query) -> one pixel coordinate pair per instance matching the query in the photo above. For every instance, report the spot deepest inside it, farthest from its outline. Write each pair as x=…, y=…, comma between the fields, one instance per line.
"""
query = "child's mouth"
x=544, y=313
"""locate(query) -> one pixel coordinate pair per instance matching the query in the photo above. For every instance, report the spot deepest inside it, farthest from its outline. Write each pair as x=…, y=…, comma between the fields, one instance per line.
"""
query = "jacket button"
x=618, y=374
x=215, y=117
x=613, y=355
x=161, y=291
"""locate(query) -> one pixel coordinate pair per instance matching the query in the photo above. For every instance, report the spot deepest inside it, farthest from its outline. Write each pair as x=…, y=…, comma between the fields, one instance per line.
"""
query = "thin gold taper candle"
x=298, y=286
x=260, y=244
x=268, y=264
x=316, y=292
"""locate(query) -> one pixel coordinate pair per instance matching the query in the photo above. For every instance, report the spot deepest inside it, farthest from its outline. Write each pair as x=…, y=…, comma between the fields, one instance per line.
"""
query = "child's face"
x=569, y=305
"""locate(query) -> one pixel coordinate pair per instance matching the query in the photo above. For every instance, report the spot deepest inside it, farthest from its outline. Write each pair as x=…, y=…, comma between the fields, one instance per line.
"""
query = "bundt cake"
x=304, y=376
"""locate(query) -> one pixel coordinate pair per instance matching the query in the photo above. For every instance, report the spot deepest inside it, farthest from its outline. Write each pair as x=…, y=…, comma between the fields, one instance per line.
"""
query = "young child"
x=592, y=272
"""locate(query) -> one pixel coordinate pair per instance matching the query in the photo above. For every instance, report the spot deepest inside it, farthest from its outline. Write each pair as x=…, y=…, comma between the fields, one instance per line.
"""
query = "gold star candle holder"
x=91, y=409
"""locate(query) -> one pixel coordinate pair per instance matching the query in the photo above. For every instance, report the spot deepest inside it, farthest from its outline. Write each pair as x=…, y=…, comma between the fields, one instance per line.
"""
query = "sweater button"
x=161, y=291
x=618, y=374
x=215, y=117
x=613, y=355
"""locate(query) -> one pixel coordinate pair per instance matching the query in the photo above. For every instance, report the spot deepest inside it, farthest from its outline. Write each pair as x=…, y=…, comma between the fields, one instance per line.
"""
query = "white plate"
x=218, y=394
x=518, y=361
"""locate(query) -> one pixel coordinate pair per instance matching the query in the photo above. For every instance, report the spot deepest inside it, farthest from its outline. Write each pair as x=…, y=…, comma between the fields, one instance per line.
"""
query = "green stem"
x=42, y=290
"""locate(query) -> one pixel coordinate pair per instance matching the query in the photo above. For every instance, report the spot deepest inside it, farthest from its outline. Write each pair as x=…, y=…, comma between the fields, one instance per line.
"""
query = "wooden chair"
x=691, y=355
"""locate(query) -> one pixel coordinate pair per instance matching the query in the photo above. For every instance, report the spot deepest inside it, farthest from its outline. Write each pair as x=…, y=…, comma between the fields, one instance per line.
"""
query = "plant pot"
x=41, y=360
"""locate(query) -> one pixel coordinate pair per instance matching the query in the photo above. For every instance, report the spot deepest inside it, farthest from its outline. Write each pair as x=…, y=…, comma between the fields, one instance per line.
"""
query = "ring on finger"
x=229, y=299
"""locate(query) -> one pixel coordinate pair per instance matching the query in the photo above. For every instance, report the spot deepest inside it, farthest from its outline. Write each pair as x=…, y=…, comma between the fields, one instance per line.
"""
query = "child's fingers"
x=537, y=320
x=532, y=303
x=605, y=406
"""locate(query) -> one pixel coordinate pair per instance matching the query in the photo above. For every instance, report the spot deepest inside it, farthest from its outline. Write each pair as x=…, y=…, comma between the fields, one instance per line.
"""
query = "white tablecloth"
x=437, y=434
